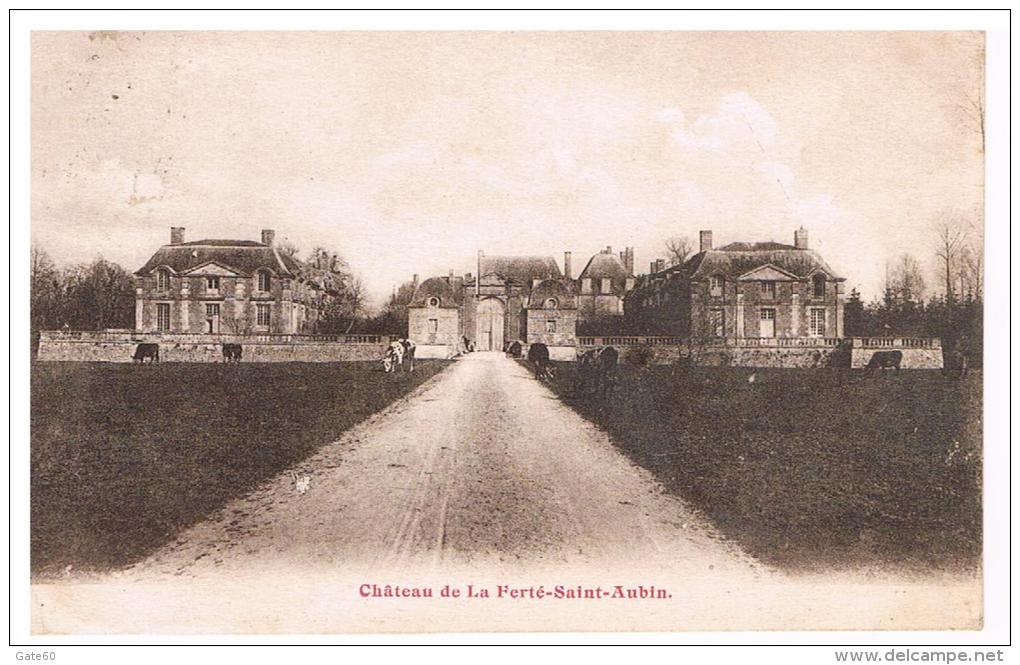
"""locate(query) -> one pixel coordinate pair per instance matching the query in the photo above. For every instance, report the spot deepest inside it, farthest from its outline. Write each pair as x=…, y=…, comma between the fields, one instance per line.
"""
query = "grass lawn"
x=125, y=456
x=810, y=469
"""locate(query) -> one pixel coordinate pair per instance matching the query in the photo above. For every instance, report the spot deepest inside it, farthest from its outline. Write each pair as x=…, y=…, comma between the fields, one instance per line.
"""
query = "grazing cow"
x=513, y=349
x=408, y=354
x=539, y=355
x=231, y=353
x=146, y=350
x=596, y=371
x=955, y=361
x=394, y=356
x=884, y=359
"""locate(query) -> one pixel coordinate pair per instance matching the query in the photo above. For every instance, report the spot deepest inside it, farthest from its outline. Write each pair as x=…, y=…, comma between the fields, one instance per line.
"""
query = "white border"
x=997, y=440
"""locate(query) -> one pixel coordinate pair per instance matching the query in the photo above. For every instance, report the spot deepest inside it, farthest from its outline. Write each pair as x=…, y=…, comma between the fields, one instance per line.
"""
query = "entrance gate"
x=489, y=327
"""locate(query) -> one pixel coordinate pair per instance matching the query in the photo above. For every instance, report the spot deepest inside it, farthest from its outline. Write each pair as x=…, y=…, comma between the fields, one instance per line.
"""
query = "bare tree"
x=678, y=249
x=948, y=248
x=904, y=280
x=288, y=248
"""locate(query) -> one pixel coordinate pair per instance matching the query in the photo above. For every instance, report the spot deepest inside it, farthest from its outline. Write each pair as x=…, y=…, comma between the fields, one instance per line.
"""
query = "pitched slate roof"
x=561, y=289
x=604, y=264
x=736, y=259
x=450, y=295
x=520, y=269
x=241, y=256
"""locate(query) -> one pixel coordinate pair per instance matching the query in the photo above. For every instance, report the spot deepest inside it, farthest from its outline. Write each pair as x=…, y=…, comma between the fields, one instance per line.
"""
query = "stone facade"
x=743, y=290
x=229, y=286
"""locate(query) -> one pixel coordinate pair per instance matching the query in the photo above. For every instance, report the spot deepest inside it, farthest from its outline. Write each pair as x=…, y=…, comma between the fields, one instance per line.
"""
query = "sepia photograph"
x=506, y=331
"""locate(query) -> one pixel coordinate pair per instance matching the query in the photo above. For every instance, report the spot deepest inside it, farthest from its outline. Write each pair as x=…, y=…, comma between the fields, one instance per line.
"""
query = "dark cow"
x=513, y=349
x=955, y=362
x=408, y=359
x=885, y=359
x=231, y=353
x=146, y=350
x=596, y=371
x=538, y=354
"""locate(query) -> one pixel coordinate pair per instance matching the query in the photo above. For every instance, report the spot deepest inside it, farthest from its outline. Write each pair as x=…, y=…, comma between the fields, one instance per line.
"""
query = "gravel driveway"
x=480, y=477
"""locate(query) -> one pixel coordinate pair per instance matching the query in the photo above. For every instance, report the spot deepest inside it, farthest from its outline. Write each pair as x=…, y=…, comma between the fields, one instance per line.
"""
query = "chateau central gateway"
x=517, y=298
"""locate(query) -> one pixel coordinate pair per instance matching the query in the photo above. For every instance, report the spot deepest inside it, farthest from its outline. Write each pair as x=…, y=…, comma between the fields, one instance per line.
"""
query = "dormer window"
x=162, y=279
x=551, y=303
x=265, y=281
x=607, y=285
x=433, y=302
x=715, y=285
x=818, y=282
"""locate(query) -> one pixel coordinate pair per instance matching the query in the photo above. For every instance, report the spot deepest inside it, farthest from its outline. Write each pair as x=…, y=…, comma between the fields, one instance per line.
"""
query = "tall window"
x=262, y=315
x=264, y=282
x=163, y=316
x=212, y=284
x=767, y=325
x=212, y=317
x=607, y=285
x=162, y=279
x=715, y=285
x=550, y=325
x=768, y=290
x=717, y=322
x=433, y=326
x=816, y=322
x=819, y=285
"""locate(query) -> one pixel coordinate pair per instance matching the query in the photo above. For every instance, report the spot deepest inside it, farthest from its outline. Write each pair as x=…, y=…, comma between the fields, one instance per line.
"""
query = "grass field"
x=811, y=469
x=125, y=456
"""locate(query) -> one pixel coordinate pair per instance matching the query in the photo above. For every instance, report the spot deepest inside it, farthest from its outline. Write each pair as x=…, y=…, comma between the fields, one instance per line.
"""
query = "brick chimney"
x=800, y=238
x=706, y=240
x=566, y=266
x=414, y=280
x=450, y=278
x=268, y=236
x=660, y=265
x=609, y=249
x=176, y=235
x=627, y=256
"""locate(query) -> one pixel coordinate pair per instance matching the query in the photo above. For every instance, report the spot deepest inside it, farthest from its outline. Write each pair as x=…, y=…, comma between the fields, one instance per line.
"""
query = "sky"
x=407, y=152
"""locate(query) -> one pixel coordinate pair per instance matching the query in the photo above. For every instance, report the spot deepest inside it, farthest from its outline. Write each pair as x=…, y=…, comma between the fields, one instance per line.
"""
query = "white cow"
x=394, y=356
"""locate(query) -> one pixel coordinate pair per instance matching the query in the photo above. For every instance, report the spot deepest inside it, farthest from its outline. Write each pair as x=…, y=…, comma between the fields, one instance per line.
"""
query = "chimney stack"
x=450, y=278
x=660, y=265
x=627, y=257
x=800, y=238
x=566, y=265
x=706, y=240
x=176, y=235
x=414, y=280
x=651, y=267
x=609, y=249
x=268, y=236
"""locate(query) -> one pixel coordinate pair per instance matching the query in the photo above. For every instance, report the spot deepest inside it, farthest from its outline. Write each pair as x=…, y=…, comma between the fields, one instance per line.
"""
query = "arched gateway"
x=490, y=322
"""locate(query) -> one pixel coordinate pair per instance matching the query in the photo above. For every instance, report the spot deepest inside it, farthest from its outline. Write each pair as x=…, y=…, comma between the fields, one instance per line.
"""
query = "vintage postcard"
x=506, y=331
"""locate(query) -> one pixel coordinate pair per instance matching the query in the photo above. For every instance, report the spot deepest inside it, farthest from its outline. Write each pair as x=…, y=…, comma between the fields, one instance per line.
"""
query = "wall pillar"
x=185, y=305
x=740, y=314
x=139, y=310
x=795, y=312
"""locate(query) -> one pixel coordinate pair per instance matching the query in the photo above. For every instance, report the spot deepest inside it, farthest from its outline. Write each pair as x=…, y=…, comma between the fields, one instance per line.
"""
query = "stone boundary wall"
x=918, y=353
x=120, y=347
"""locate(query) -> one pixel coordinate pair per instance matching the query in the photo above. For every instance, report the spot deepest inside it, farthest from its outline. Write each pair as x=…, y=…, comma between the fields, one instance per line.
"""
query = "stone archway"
x=490, y=318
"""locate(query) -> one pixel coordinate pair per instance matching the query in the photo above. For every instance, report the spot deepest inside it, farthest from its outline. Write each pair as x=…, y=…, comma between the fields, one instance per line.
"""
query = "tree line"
x=100, y=294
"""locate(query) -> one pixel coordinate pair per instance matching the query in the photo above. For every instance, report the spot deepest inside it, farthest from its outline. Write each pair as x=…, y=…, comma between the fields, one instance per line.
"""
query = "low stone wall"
x=918, y=353
x=442, y=351
x=178, y=348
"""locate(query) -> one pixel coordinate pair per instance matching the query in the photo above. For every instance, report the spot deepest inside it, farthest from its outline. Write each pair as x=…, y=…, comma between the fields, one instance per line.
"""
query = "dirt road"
x=480, y=477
